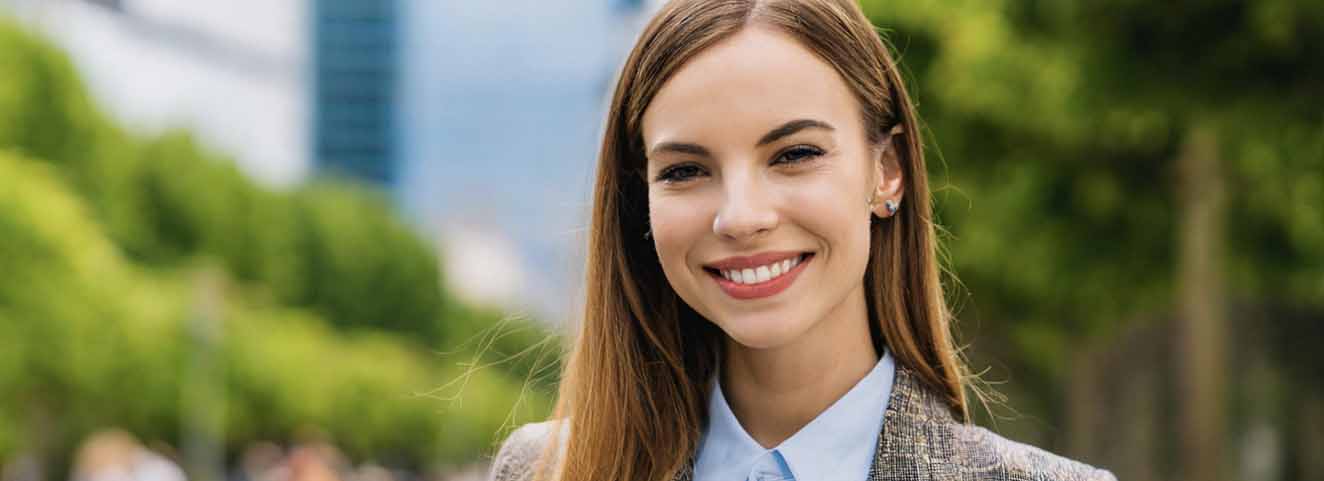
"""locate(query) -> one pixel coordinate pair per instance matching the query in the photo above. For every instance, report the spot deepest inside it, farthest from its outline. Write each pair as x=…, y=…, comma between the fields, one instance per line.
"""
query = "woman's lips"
x=762, y=289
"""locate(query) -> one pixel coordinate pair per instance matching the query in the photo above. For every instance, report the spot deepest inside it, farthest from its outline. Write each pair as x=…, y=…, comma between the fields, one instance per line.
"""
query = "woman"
x=763, y=289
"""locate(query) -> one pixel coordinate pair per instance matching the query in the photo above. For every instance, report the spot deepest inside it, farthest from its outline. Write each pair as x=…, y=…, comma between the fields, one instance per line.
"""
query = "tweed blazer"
x=920, y=441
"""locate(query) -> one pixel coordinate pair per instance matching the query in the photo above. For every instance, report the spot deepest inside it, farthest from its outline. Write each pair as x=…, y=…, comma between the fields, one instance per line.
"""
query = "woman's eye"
x=684, y=172
x=799, y=154
x=679, y=173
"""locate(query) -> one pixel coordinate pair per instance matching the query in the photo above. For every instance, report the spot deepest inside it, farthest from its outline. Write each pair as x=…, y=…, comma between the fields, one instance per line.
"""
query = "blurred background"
x=339, y=240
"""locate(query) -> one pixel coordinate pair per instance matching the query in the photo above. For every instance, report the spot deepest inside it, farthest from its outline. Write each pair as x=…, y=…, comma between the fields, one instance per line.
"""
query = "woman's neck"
x=775, y=392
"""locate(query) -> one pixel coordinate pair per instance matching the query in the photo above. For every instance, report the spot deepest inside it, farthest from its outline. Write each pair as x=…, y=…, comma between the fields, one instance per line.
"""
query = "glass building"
x=354, y=77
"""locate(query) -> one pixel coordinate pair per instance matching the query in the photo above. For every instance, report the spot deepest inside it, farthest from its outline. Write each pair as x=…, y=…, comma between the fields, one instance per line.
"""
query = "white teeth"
x=761, y=273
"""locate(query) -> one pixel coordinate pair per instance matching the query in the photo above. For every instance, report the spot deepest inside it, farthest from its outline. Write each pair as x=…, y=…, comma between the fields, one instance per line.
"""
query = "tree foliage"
x=334, y=316
x=1054, y=127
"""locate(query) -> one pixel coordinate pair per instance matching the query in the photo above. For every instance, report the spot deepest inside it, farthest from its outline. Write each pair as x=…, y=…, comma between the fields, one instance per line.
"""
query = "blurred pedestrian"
x=115, y=455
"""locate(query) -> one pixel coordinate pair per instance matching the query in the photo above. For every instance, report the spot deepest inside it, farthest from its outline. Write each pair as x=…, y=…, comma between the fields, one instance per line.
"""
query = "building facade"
x=355, y=70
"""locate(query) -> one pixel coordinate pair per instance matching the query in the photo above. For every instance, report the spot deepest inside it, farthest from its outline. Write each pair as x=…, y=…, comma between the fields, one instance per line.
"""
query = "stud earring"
x=888, y=204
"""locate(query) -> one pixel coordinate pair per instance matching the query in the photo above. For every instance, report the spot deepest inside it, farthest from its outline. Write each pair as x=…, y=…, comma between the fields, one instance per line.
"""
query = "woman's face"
x=757, y=160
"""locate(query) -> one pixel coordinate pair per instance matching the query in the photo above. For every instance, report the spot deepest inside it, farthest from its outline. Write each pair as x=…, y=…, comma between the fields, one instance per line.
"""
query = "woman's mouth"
x=760, y=281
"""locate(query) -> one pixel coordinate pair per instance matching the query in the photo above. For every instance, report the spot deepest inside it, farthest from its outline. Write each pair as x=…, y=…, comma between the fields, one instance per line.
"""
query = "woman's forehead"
x=745, y=85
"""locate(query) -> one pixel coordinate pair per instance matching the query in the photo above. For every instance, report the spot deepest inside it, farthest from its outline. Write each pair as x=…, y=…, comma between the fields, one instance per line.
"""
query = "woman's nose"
x=746, y=211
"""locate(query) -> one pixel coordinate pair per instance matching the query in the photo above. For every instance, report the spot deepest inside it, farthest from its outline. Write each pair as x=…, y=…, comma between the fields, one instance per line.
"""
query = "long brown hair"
x=634, y=390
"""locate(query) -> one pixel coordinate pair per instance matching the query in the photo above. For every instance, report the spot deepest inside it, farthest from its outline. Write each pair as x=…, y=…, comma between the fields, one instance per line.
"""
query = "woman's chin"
x=761, y=334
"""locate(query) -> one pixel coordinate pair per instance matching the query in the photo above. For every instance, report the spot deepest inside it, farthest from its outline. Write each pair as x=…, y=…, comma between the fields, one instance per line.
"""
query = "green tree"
x=1076, y=144
x=334, y=308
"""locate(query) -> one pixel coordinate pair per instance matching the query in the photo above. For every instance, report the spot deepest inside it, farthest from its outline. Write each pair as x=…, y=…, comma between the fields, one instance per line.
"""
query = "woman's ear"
x=888, y=181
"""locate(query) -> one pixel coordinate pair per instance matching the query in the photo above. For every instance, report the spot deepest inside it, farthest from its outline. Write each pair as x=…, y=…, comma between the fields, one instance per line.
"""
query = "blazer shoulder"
x=985, y=455
x=515, y=459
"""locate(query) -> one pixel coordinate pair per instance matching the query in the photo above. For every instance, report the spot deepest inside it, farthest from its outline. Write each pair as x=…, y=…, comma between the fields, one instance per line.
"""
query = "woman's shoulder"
x=982, y=454
x=515, y=459
x=922, y=434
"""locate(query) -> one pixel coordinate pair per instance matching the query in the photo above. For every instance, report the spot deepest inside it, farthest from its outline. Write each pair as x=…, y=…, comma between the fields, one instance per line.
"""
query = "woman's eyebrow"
x=681, y=148
x=791, y=128
x=773, y=135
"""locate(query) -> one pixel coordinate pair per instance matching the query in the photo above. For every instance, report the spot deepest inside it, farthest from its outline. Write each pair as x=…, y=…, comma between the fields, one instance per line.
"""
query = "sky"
x=234, y=78
x=504, y=134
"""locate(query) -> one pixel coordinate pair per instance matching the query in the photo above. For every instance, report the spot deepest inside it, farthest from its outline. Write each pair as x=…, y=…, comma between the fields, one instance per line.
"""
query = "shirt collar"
x=840, y=441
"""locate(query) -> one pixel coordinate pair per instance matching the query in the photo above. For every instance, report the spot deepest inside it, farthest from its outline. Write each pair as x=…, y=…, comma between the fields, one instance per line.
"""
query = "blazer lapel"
x=903, y=450
x=912, y=425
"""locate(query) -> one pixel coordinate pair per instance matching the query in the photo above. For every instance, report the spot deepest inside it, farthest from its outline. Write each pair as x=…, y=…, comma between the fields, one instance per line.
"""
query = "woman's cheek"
x=819, y=199
x=677, y=226
x=822, y=208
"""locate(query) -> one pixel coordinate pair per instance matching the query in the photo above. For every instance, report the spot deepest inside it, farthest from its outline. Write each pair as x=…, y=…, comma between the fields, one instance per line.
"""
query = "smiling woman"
x=761, y=303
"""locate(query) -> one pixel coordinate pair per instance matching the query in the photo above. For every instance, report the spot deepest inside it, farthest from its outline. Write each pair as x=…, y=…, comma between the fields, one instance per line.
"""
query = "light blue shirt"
x=839, y=444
